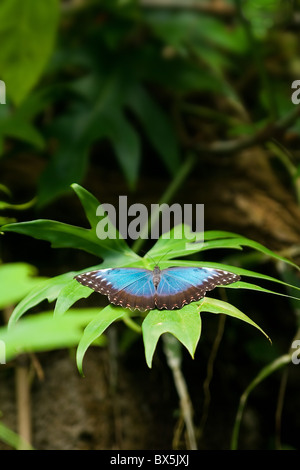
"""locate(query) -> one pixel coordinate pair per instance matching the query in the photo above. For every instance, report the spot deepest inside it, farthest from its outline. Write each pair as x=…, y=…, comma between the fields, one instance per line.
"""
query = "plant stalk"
x=167, y=196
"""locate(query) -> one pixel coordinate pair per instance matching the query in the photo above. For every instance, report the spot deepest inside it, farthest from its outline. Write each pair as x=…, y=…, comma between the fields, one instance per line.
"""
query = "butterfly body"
x=144, y=289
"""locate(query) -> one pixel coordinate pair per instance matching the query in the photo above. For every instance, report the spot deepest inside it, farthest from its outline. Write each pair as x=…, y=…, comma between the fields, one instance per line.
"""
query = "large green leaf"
x=126, y=143
x=15, y=128
x=21, y=275
x=184, y=324
x=156, y=125
x=18, y=123
x=62, y=235
x=43, y=332
x=89, y=204
x=27, y=35
x=95, y=328
x=211, y=305
x=48, y=289
x=181, y=241
x=69, y=294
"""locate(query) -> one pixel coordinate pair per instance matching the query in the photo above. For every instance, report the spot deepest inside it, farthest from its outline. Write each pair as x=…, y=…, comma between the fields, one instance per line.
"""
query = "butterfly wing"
x=134, y=288
x=180, y=286
x=129, y=287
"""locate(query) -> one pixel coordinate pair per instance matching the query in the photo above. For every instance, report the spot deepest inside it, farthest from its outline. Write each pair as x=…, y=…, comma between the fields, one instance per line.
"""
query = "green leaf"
x=48, y=289
x=21, y=130
x=236, y=270
x=62, y=235
x=249, y=286
x=27, y=34
x=184, y=324
x=181, y=241
x=157, y=127
x=219, y=306
x=43, y=332
x=69, y=164
x=89, y=203
x=17, y=207
x=12, y=439
x=66, y=166
x=115, y=252
x=18, y=122
x=21, y=275
x=126, y=143
x=238, y=242
x=95, y=328
x=69, y=294
x=5, y=190
x=263, y=15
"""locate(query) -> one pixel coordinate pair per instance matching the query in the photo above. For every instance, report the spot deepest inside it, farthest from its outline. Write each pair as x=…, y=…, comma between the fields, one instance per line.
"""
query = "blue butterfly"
x=143, y=289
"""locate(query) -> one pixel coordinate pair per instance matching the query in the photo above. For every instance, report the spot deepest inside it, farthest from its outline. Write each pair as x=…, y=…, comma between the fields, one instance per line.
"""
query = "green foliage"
x=27, y=35
x=12, y=439
x=263, y=15
x=62, y=235
x=95, y=328
x=20, y=274
x=119, y=76
x=185, y=324
x=45, y=332
x=18, y=123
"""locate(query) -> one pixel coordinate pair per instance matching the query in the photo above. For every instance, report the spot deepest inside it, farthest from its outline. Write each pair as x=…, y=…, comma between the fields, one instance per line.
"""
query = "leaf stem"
x=132, y=324
x=283, y=155
x=265, y=372
x=167, y=196
x=19, y=207
x=172, y=349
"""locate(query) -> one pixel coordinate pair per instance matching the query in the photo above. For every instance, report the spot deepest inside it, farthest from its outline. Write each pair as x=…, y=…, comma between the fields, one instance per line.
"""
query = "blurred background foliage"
x=161, y=100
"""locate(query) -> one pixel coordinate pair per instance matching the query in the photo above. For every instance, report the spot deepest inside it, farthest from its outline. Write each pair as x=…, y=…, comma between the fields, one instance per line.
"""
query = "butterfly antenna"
x=157, y=262
x=165, y=254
